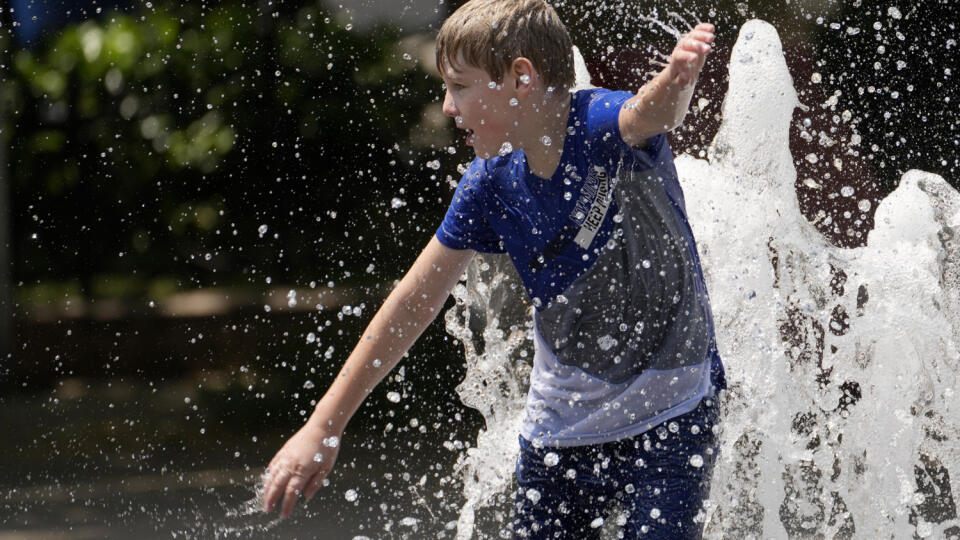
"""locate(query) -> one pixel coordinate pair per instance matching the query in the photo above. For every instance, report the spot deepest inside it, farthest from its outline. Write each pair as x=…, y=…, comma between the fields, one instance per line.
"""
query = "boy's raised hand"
x=688, y=56
x=300, y=467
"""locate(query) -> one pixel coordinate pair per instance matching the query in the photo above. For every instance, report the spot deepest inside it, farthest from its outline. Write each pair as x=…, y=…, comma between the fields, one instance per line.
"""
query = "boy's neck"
x=543, y=142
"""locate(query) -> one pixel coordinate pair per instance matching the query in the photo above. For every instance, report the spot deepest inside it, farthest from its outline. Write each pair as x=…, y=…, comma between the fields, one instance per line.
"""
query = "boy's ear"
x=523, y=75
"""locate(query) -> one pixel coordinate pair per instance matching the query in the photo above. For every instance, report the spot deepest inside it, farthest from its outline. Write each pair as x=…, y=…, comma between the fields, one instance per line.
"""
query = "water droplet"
x=816, y=78
x=525, y=79
x=864, y=205
x=629, y=488
x=397, y=202
x=597, y=523
x=309, y=385
x=696, y=460
x=645, y=263
x=514, y=102
x=505, y=149
x=695, y=429
x=547, y=141
x=533, y=495
x=262, y=230
x=393, y=397
x=846, y=191
x=491, y=85
x=551, y=459
x=318, y=457
x=606, y=342
x=654, y=513
x=332, y=442
x=435, y=164
x=351, y=495
x=673, y=427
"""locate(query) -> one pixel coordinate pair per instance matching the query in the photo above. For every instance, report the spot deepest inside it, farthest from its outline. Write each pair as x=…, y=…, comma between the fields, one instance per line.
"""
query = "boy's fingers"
x=699, y=39
x=685, y=56
x=707, y=27
x=291, y=494
x=278, y=479
x=313, y=486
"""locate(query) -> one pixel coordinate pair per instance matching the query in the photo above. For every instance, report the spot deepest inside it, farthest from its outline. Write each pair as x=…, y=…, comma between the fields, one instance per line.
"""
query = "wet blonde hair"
x=491, y=34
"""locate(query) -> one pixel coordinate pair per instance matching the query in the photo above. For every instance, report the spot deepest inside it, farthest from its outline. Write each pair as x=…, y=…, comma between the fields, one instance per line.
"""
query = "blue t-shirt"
x=623, y=331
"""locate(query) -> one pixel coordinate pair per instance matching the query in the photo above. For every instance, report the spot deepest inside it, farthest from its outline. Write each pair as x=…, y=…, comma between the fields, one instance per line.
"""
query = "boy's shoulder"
x=481, y=171
x=593, y=128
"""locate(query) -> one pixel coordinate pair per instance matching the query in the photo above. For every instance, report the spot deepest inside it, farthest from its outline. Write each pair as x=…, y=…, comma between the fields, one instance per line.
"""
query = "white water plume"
x=492, y=325
x=841, y=417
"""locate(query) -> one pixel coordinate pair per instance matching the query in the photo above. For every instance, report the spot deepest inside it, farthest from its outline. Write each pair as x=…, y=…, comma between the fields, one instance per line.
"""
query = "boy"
x=581, y=191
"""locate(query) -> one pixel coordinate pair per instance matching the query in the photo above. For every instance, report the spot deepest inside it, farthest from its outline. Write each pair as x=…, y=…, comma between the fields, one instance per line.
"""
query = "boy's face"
x=480, y=106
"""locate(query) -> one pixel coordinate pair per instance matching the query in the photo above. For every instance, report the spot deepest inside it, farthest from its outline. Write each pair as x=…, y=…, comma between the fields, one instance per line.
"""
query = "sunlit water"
x=841, y=418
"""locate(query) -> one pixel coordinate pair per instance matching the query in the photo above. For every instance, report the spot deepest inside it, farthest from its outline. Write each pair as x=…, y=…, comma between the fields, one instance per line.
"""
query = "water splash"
x=668, y=28
x=841, y=415
x=490, y=321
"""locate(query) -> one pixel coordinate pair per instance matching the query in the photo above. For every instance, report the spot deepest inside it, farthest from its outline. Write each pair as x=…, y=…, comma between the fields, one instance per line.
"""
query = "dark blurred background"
x=201, y=204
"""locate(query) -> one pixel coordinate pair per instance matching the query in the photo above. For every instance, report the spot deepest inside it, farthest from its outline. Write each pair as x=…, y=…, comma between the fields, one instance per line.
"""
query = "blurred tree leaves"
x=157, y=143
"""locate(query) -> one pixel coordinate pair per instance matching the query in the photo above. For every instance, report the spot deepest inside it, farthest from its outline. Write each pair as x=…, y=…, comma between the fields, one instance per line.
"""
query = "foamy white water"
x=841, y=415
x=492, y=324
x=841, y=419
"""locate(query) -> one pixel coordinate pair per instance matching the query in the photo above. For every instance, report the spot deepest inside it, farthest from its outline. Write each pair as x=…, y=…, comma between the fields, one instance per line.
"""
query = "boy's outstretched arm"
x=304, y=461
x=662, y=103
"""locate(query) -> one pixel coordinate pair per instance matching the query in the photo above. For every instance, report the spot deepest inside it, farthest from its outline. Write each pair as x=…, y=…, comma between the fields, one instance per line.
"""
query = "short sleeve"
x=603, y=129
x=465, y=225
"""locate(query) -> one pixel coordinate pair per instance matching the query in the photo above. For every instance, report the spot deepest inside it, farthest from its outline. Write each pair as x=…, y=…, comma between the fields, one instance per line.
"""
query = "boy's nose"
x=449, y=108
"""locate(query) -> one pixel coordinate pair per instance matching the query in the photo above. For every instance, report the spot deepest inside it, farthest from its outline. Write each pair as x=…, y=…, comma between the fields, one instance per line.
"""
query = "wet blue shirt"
x=623, y=329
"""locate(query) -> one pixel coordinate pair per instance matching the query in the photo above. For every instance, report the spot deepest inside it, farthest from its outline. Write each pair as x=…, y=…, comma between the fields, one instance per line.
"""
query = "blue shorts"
x=659, y=479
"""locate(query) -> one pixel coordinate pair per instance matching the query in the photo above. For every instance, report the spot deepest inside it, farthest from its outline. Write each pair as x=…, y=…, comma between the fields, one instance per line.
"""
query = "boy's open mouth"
x=469, y=138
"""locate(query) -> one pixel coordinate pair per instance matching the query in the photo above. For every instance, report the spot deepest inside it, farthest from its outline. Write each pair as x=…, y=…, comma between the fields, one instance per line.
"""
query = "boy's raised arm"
x=662, y=103
x=308, y=456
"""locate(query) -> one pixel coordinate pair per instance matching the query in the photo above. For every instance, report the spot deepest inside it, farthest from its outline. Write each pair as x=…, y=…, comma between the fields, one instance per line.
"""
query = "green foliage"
x=157, y=143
